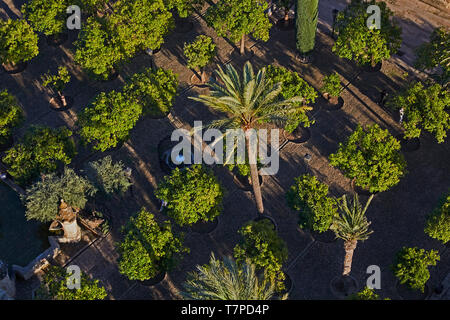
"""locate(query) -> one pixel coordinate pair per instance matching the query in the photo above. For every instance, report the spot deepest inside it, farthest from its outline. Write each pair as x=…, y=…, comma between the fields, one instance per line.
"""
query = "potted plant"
x=11, y=116
x=54, y=286
x=296, y=122
x=350, y=225
x=57, y=83
x=331, y=90
x=438, y=222
x=41, y=150
x=18, y=44
x=307, y=15
x=424, y=108
x=191, y=195
x=237, y=19
x=149, y=249
x=285, y=23
x=411, y=269
x=309, y=197
x=48, y=17
x=371, y=158
x=199, y=53
x=107, y=121
x=368, y=47
x=265, y=249
x=154, y=90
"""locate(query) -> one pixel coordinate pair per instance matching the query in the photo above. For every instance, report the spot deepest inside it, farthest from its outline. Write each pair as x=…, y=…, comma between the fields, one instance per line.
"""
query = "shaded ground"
x=397, y=216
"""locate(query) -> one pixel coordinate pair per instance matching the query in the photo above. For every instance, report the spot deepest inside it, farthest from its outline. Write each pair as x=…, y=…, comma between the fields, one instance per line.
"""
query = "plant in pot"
x=48, y=17
x=107, y=121
x=285, y=23
x=411, y=269
x=41, y=150
x=54, y=286
x=199, y=53
x=332, y=88
x=149, y=249
x=59, y=199
x=307, y=15
x=438, y=222
x=155, y=90
x=191, y=195
x=18, y=44
x=371, y=158
x=309, y=197
x=425, y=107
x=350, y=225
x=11, y=116
x=227, y=280
x=262, y=247
x=435, y=56
x=57, y=83
x=296, y=121
x=108, y=176
x=237, y=19
x=366, y=46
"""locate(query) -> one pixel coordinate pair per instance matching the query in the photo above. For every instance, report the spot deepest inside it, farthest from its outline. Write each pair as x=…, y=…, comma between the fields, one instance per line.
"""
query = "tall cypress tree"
x=307, y=12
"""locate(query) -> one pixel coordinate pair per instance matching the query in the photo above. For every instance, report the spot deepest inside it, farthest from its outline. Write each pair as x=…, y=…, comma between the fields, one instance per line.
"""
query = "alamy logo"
x=74, y=20
x=374, y=20
x=374, y=280
x=240, y=147
x=74, y=278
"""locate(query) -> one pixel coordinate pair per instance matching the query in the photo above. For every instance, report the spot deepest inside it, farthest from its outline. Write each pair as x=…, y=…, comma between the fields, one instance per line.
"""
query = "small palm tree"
x=249, y=100
x=226, y=281
x=351, y=225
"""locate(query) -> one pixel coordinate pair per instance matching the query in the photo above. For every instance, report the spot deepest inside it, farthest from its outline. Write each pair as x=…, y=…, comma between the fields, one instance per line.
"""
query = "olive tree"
x=199, y=53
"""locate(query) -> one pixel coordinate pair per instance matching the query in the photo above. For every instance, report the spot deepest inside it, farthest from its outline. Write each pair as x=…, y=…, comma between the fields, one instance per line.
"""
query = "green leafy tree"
x=310, y=198
x=148, y=248
x=293, y=86
x=148, y=21
x=435, y=53
x=11, y=115
x=425, y=107
x=97, y=49
x=18, y=42
x=54, y=287
x=42, y=198
x=184, y=8
x=155, y=90
x=236, y=19
x=438, y=223
x=364, y=45
x=109, y=119
x=226, y=280
x=192, y=195
x=265, y=249
x=249, y=100
x=109, y=176
x=366, y=294
x=332, y=85
x=372, y=158
x=306, y=25
x=57, y=82
x=351, y=225
x=41, y=150
x=199, y=53
x=411, y=266
x=46, y=16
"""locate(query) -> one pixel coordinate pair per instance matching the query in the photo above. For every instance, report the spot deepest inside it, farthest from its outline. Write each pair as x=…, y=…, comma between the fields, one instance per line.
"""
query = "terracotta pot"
x=205, y=227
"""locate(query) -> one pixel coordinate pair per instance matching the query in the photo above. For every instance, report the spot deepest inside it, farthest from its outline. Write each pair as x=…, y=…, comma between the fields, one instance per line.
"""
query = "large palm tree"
x=351, y=225
x=226, y=280
x=249, y=100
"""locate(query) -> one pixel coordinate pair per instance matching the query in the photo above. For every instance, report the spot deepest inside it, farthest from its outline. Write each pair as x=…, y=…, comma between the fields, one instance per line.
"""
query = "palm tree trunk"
x=349, y=247
x=242, y=45
x=255, y=178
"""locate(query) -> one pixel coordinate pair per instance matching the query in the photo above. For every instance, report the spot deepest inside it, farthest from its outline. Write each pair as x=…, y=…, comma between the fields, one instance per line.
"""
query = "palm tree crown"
x=248, y=99
x=226, y=281
x=352, y=224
